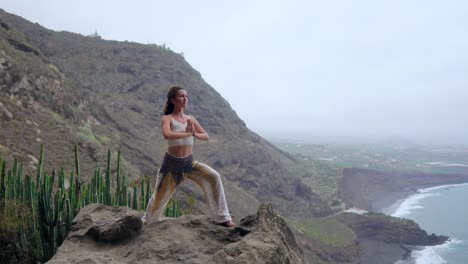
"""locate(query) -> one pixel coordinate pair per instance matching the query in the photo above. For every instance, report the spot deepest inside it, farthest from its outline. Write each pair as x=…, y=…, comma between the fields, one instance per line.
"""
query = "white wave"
x=355, y=210
x=425, y=190
x=329, y=159
x=411, y=204
x=431, y=254
x=454, y=165
x=434, y=254
x=434, y=162
x=445, y=164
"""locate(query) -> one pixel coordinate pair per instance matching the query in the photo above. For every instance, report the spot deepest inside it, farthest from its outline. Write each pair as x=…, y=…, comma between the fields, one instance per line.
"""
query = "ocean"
x=442, y=210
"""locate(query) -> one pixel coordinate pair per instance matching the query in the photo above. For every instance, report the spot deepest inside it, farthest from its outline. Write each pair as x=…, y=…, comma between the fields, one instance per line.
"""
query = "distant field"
x=329, y=231
x=321, y=165
x=413, y=157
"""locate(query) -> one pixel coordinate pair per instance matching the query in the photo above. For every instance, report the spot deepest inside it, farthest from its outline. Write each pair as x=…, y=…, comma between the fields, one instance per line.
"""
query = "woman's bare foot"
x=228, y=223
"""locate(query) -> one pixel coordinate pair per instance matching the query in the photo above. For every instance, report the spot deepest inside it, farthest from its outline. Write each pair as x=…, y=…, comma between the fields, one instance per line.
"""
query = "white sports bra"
x=177, y=126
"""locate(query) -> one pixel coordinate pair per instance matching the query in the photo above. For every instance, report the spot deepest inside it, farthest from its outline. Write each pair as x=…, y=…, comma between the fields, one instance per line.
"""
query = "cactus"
x=129, y=200
x=20, y=182
x=135, y=199
x=124, y=191
x=13, y=182
x=9, y=186
x=39, y=167
x=148, y=192
x=77, y=193
x=48, y=215
x=45, y=209
x=69, y=214
x=77, y=163
x=118, y=190
x=142, y=195
x=2, y=185
x=108, y=183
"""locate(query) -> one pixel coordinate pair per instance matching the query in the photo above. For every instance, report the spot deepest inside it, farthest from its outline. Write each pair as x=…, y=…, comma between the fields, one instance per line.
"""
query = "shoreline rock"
x=385, y=239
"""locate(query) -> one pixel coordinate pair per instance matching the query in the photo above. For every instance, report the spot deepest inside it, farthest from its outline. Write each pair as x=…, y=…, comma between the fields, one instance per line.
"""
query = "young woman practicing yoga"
x=179, y=129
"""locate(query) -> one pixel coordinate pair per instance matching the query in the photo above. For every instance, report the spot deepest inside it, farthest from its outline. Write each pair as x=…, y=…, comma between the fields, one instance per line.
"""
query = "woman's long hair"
x=169, y=107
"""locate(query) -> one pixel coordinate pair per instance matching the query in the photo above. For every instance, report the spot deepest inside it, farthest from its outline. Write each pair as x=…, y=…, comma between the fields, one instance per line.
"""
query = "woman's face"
x=181, y=99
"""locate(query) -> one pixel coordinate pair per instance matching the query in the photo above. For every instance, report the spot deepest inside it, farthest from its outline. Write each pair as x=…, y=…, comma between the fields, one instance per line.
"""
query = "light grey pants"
x=203, y=175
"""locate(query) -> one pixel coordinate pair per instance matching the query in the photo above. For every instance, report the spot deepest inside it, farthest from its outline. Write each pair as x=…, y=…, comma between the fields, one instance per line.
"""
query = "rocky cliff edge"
x=104, y=234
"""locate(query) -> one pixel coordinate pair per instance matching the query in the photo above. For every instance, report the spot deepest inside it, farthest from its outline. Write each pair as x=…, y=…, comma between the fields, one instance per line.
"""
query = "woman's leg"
x=163, y=191
x=210, y=181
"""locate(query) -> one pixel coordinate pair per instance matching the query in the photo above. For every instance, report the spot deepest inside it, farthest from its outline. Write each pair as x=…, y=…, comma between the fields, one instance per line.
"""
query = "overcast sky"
x=340, y=69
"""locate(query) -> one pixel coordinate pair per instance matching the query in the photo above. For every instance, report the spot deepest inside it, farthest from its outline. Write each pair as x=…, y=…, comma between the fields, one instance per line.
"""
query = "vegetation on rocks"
x=36, y=215
x=327, y=230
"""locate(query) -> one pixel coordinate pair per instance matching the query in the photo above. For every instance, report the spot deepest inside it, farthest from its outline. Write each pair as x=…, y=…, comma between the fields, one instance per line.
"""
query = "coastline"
x=384, y=191
x=389, y=204
x=381, y=252
x=392, y=253
x=392, y=205
x=392, y=201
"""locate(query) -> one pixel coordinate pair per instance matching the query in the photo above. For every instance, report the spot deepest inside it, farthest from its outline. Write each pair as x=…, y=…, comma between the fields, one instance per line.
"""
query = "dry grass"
x=327, y=230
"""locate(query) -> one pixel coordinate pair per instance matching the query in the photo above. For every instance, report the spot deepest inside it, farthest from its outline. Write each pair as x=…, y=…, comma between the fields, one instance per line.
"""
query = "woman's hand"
x=198, y=131
x=190, y=127
x=167, y=132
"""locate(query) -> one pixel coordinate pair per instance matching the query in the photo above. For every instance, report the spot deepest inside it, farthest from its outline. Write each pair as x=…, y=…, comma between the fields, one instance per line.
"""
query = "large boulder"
x=104, y=234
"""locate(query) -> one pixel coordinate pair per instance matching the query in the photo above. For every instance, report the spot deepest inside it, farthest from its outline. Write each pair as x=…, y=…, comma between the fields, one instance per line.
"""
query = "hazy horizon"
x=356, y=139
x=337, y=70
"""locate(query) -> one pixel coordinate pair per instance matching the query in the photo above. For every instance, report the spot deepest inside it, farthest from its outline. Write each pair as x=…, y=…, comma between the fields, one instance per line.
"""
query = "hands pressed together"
x=190, y=127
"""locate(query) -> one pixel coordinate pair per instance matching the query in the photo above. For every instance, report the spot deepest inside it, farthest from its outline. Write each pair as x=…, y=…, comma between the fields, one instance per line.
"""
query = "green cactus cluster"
x=174, y=209
x=44, y=209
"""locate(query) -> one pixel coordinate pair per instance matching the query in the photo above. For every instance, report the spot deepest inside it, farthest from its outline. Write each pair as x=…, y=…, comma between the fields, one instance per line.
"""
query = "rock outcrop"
x=385, y=239
x=390, y=229
x=104, y=234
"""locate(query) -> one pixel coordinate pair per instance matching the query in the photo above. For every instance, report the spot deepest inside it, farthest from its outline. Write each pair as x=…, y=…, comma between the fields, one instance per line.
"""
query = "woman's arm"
x=199, y=132
x=166, y=130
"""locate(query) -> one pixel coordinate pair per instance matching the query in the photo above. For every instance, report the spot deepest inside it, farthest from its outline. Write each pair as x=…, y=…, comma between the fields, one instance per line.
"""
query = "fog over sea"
x=442, y=210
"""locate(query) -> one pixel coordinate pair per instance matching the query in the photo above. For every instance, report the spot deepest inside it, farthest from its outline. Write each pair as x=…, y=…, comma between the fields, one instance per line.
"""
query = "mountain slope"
x=63, y=88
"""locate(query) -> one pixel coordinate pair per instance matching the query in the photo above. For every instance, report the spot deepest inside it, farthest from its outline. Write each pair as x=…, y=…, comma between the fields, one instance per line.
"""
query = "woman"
x=179, y=129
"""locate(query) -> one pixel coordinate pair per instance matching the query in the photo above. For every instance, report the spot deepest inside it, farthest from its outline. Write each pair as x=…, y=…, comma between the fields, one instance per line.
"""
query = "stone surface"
x=103, y=234
x=7, y=115
x=105, y=223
